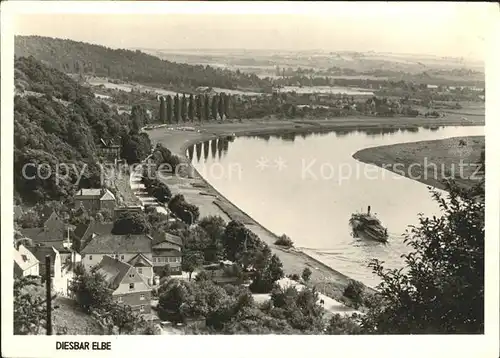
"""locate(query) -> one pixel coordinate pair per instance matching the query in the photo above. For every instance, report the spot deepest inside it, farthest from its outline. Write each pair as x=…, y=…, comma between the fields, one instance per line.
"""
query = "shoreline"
x=328, y=280
x=388, y=156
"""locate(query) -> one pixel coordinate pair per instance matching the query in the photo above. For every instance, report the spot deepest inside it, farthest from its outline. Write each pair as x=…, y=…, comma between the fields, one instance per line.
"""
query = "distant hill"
x=80, y=57
x=57, y=121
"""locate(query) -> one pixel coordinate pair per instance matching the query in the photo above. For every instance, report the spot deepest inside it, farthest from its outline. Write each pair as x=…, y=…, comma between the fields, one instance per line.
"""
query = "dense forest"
x=58, y=121
x=79, y=57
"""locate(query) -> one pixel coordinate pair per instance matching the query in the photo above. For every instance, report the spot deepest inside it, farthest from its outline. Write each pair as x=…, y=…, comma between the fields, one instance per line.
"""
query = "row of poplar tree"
x=200, y=107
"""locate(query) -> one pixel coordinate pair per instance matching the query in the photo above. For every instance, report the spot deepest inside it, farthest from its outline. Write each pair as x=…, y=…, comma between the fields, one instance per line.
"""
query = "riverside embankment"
x=197, y=191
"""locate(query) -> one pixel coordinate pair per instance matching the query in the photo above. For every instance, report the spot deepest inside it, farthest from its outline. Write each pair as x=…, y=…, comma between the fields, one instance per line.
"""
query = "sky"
x=442, y=29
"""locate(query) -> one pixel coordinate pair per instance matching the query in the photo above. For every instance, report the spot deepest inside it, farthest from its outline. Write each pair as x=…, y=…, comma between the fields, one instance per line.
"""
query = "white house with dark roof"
x=122, y=247
x=127, y=285
x=143, y=266
x=95, y=200
x=25, y=263
x=61, y=267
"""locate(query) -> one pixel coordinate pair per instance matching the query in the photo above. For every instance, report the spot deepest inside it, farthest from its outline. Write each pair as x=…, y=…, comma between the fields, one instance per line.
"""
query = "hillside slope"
x=79, y=57
x=58, y=121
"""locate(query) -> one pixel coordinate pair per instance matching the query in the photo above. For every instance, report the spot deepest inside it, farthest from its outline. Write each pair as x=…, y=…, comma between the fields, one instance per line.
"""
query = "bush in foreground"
x=306, y=274
x=93, y=295
x=188, y=213
x=354, y=291
x=284, y=240
x=441, y=286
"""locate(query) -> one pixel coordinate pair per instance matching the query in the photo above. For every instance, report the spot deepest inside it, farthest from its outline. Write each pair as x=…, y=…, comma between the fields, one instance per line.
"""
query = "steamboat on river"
x=368, y=226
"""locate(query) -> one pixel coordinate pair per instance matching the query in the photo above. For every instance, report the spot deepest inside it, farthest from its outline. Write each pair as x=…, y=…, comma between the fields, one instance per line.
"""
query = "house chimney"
x=67, y=244
x=369, y=209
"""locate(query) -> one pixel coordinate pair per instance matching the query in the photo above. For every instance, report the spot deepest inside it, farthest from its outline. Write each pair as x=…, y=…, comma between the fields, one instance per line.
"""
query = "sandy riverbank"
x=430, y=161
x=197, y=191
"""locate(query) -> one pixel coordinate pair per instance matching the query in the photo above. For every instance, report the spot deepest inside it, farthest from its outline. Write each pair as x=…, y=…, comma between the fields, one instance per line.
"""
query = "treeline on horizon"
x=405, y=82
x=80, y=57
x=337, y=76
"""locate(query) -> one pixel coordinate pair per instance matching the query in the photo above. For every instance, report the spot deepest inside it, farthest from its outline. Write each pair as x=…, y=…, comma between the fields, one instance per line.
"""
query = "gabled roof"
x=108, y=195
x=163, y=236
x=54, y=222
x=58, y=245
x=167, y=253
x=84, y=231
x=140, y=260
x=165, y=245
x=109, y=144
x=113, y=270
x=95, y=193
x=94, y=228
x=38, y=234
x=41, y=251
x=88, y=193
x=81, y=229
x=110, y=243
x=24, y=258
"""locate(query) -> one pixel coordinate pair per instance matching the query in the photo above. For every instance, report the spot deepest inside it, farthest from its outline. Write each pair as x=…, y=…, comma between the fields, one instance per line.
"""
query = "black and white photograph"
x=267, y=169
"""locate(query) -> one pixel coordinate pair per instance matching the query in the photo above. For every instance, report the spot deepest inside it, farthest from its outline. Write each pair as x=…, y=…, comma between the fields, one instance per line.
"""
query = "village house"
x=53, y=235
x=167, y=249
x=128, y=286
x=83, y=233
x=95, y=200
x=144, y=267
x=25, y=263
x=122, y=247
x=61, y=270
x=53, y=232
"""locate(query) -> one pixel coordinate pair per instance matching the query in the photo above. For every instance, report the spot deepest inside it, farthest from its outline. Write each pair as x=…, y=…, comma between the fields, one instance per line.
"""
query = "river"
x=307, y=186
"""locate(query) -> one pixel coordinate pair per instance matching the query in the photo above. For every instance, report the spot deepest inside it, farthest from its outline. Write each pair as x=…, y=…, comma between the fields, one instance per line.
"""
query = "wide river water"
x=308, y=185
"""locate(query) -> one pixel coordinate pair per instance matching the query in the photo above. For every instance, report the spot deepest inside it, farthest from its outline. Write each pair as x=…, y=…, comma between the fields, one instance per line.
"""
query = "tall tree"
x=214, y=106
x=191, y=260
x=441, y=287
x=131, y=223
x=90, y=290
x=206, y=108
x=184, y=108
x=169, y=109
x=138, y=118
x=177, y=110
x=162, y=110
x=199, y=109
x=227, y=99
x=191, y=107
x=222, y=98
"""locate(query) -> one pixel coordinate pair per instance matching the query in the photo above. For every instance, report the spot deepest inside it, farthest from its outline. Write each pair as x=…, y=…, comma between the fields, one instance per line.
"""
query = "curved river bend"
x=307, y=186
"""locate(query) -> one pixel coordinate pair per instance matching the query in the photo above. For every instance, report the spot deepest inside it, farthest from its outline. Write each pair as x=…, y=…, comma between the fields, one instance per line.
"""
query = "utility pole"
x=48, y=283
x=191, y=222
